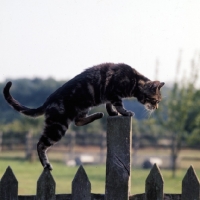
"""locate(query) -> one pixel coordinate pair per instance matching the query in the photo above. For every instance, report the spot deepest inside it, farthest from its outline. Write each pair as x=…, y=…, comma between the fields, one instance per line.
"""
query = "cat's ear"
x=157, y=84
x=154, y=84
x=160, y=85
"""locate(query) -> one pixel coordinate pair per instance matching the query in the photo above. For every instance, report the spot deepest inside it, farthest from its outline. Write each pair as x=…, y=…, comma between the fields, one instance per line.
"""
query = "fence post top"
x=46, y=186
x=119, y=116
x=81, y=174
x=154, y=184
x=46, y=174
x=8, y=185
x=190, y=175
x=9, y=175
x=190, y=185
x=81, y=186
x=155, y=172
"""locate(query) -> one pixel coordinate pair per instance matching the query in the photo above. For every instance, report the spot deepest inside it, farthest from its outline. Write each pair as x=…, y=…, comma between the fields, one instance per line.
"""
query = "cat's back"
x=93, y=75
x=107, y=69
x=95, y=78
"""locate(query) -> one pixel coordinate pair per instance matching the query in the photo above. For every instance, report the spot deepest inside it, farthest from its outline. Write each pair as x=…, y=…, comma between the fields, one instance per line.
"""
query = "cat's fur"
x=106, y=83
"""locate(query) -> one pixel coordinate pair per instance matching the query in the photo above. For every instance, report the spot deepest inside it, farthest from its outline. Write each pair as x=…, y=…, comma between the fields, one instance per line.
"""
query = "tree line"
x=178, y=111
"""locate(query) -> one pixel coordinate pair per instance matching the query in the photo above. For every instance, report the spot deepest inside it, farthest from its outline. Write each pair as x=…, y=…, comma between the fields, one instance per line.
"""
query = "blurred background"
x=44, y=44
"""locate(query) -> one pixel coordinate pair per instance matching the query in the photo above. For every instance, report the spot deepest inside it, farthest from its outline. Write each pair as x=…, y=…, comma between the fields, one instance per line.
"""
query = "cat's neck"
x=140, y=83
x=141, y=80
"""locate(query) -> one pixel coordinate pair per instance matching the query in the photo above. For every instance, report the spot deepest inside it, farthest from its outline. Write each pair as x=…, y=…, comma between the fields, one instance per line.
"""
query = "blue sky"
x=61, y=38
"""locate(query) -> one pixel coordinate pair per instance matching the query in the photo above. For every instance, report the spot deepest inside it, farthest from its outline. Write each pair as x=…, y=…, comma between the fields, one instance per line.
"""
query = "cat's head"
x=150, y=94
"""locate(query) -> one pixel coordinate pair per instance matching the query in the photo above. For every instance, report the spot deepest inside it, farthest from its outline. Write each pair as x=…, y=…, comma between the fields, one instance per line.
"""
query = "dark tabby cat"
x=106, y=83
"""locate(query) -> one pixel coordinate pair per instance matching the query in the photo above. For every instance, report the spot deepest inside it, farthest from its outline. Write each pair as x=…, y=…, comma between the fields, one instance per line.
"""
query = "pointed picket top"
x=154, y=184
x=9, y=175
x=46, y=186
x=190, y=185
x=81, y=186
x=8, y=185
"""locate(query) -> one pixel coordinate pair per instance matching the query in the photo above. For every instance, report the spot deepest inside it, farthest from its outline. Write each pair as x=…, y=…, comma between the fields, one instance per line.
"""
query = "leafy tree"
x=193, y=122
x=175, y=113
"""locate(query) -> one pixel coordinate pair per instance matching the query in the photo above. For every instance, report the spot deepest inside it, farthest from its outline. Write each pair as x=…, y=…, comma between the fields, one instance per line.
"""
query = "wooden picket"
x=190, y=185
x=81, y=187
x=154, y=184
x=117, y=176
x=8, y=185
x=46, y=186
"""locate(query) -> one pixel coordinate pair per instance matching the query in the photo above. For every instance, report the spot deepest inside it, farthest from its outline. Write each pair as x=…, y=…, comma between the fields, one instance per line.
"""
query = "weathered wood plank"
x=102, y=197
x=190, y=185
x=81, y=187
x=97, y=196
x=8, y=186
x=27, y=197
x=172, y=196
x=137, y=197
x=46, y=186
x=166, y=197
x=154, y=185
x=118, y=163
x=61, y=197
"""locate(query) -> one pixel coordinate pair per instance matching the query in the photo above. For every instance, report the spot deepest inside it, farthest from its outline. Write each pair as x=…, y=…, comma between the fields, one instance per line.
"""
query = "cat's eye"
x=148, y=99
x=155, y=101
x=151, y=100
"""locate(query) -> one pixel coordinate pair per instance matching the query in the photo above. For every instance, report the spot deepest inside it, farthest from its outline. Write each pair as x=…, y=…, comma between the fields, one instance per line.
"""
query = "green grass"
x=28, y=173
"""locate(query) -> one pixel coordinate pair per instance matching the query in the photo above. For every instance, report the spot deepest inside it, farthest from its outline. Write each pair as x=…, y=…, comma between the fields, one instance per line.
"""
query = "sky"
x=59, y=39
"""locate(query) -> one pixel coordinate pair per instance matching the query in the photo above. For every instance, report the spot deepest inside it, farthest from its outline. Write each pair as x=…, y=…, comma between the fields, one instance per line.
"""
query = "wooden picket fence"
x=117, y=186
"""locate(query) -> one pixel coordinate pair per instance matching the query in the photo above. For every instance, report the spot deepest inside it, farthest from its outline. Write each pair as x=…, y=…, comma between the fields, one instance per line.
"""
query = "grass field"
x=28, y=173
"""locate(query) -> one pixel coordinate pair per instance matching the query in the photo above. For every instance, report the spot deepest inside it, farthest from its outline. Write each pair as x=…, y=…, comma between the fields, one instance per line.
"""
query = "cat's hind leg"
x=52, y=133
x=83, y=120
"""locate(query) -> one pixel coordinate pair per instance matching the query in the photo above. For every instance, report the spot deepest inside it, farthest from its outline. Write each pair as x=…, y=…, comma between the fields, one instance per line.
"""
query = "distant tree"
x=22, y=126
x=176, y=109
x=193, y=122
x=30, y=92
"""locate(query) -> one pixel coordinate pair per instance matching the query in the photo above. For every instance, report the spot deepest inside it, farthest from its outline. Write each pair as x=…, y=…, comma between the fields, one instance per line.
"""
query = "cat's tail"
x=20, y=108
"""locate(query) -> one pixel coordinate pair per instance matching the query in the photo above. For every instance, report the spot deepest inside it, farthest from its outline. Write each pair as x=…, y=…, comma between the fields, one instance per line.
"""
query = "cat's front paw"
x=128, y=113
x=113, y=113
x=48, y=166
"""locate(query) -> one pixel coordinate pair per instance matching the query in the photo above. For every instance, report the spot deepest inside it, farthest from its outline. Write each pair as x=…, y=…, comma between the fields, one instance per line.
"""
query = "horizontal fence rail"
x=118, y=167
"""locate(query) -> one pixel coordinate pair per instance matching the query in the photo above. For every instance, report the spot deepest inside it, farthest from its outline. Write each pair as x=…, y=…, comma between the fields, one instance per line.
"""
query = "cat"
x=106, y=83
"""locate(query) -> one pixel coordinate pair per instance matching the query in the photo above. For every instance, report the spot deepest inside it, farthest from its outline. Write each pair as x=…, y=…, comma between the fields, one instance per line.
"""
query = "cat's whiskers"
x=164, y=97
x=144, y=113
x=149, y=114
x=148, y=111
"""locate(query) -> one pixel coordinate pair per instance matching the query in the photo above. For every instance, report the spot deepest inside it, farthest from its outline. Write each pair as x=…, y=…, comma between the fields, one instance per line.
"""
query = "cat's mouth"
x=150, y=107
